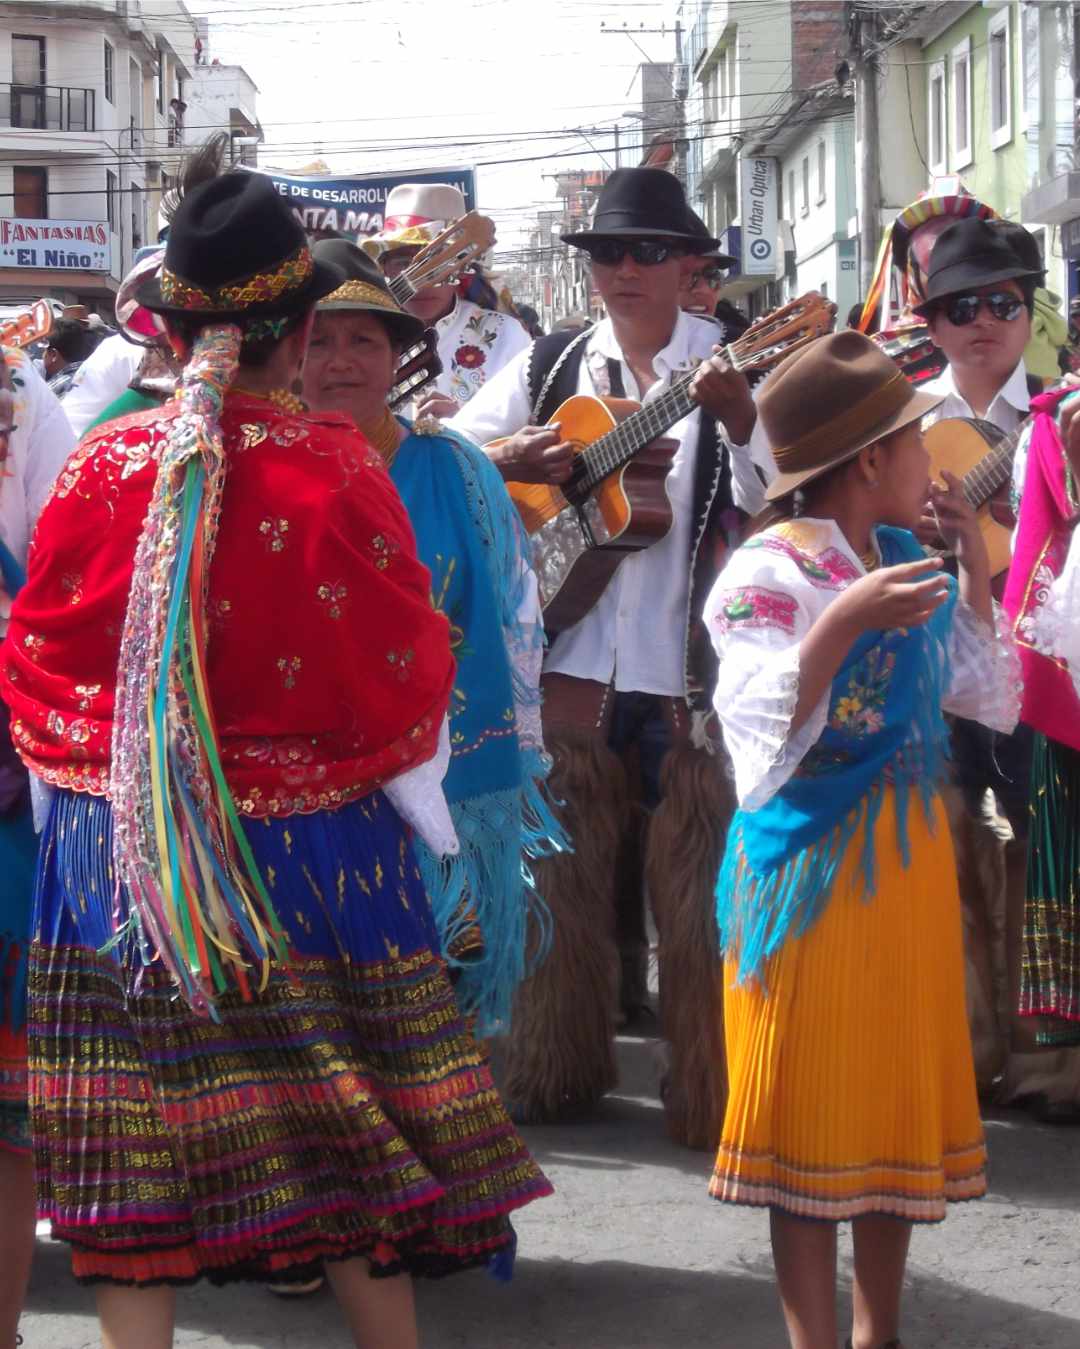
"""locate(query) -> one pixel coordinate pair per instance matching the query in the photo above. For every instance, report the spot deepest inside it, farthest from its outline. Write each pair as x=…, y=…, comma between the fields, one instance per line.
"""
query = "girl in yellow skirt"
x=852, y=1092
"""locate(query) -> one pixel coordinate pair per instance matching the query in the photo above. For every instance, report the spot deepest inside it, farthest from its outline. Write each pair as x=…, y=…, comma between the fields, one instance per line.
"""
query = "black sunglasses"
x=645, y=252
x=961, y=310
x=712, y=276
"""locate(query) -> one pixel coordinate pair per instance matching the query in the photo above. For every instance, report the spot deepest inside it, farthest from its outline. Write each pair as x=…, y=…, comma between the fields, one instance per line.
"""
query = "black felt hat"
x=970, y=254
x=236, y=250
x=363, y=288
x=644, y=204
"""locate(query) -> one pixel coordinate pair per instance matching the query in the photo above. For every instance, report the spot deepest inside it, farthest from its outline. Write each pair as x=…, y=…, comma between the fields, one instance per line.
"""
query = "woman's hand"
x=893, y=597
x=959, y=526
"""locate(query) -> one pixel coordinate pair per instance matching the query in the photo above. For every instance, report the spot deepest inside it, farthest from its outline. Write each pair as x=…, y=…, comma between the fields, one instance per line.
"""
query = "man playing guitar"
x=979, y=299
x=625, y=680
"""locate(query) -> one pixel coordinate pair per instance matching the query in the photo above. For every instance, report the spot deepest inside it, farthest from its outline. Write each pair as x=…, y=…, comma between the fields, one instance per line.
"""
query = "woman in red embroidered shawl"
x=245, y=1058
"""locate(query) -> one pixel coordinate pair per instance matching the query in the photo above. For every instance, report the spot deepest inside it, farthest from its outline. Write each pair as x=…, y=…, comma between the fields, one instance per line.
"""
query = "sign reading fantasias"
x=58, y=245
x=354, y=206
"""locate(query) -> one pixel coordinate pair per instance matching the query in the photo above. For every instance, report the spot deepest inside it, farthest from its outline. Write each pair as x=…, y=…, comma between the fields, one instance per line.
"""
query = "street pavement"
x=631, y=1253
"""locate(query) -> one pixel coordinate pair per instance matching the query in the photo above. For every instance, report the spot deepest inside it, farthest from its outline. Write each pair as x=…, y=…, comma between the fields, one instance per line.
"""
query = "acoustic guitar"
x=458, y=246
x=981, y=456
x=616, y=503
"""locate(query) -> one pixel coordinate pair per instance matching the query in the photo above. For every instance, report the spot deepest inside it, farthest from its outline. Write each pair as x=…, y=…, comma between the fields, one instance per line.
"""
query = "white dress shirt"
x=102, y=378
x=636, y=633
x=474, y=345
x=1008, y=409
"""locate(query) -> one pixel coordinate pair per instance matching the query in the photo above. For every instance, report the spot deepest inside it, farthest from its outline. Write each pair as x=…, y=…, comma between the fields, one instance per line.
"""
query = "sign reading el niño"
x=354, y=206
x=758, y=215
x=55, y=245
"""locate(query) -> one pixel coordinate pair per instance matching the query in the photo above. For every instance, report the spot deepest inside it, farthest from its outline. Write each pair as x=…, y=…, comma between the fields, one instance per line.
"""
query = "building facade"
x=1000, y=114
x=756, y=76
x=222, y=98
x=91, y=130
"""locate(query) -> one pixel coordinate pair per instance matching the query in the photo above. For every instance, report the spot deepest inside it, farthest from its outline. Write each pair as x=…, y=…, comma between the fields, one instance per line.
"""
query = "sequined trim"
x=262, y=288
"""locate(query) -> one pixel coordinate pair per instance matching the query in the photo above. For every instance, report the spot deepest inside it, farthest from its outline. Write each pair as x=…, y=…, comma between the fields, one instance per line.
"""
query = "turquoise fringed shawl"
x=470, y=537
x=885, y=725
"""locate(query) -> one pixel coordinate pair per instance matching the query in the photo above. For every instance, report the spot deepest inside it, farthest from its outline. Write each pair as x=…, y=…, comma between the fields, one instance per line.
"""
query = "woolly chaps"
x=559, y=1058
x=685, y=846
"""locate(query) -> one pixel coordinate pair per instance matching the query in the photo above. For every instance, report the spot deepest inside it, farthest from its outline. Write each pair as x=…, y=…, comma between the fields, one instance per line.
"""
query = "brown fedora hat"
x=829, y=400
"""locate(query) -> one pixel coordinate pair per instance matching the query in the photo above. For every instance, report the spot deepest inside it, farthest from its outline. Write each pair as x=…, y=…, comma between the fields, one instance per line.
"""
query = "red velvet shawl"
x=329, y=671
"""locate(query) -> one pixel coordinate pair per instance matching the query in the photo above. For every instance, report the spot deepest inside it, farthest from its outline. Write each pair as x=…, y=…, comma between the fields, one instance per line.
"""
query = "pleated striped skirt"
x=344, y=1111
x=852, y=1089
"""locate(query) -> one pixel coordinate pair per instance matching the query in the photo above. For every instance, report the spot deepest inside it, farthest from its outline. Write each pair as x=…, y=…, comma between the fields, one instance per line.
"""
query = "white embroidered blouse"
x=764, y=603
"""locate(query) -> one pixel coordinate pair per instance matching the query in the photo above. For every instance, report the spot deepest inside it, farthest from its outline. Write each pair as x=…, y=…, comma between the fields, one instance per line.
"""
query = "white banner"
x=758, y=215
x=55, y=245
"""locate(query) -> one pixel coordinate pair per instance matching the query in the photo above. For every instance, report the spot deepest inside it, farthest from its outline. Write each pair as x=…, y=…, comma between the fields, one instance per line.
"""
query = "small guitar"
x=616, y=502
x=30, y=327
x=981, y=456
x=462, y=243
x=418, y=366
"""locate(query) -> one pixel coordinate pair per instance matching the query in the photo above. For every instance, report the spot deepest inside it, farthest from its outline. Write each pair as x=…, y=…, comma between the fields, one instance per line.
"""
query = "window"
x=138, y=216
x=1000, y=68
x=806, y=185
x=31, y=193
x=1029, y=66
x=711, y=92
x=791, y=193
x=135, y=105
x=27, y=60
x=160, y=78
x=28, y=82
x=821, y=164
x=110, y=77
x=111, y=203
x=961, y=104
x=935, y=116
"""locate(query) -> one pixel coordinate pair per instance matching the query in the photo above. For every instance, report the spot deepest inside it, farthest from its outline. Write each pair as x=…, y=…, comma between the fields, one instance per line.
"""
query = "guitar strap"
x=615, y=379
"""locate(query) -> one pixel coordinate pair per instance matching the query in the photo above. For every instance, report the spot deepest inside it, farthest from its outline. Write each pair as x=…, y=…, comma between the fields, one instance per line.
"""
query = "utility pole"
x=862, y=33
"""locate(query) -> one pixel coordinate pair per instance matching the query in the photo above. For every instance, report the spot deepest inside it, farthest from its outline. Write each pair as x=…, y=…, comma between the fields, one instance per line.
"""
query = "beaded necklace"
x=384, y=434
x=282, y=398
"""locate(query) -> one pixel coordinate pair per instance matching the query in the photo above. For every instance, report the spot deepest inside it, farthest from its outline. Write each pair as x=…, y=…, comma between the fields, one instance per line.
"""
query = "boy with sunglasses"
x=980, y=295
x=623, y=686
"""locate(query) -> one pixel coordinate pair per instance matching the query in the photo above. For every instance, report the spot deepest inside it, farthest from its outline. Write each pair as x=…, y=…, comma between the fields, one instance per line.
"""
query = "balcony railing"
x=47, y=107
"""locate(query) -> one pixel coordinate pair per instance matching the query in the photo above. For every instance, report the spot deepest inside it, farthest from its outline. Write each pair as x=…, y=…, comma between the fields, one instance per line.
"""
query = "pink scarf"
x=1050, y=703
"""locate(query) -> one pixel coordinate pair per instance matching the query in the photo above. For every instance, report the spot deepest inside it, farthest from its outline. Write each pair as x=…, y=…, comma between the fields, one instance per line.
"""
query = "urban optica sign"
x=55, y=245
x=758, y=215
x=354, y=206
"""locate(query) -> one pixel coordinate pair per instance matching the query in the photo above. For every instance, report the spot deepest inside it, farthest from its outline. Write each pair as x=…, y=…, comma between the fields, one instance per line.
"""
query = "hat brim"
x=1018, y=273
x=917, y=406
x=325, y=277
x=693, y=243
x=721, y=259
x=406, y=328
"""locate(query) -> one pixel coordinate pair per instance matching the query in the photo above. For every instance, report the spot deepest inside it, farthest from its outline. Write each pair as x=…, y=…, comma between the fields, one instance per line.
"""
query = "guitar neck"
x=991, y=473
x=619, y=445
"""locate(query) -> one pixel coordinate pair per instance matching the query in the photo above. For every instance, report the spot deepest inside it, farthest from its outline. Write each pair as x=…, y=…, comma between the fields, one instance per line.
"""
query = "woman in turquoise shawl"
x=470, y=538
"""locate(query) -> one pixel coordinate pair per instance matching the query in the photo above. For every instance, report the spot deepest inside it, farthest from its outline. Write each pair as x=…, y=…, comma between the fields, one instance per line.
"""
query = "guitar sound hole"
x=576, y=488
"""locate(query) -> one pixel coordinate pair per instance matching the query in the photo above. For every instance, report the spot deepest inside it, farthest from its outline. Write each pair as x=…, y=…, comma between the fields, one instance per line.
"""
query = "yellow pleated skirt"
x=852, y=1088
